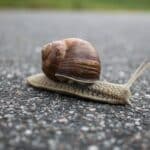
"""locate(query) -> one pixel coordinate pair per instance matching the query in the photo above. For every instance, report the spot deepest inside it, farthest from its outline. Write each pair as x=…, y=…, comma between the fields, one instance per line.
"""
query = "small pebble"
x=58, y=132
x=33, y=107
x=102, y=123
x=137, y=122
x=101, y=135
x=92, y=109
x=90, y=115
x=10, y=76
x=93, y=147
x=63, y=120
x=84, y=128
x=18, y=92
x=71, y=112
x=107, y=143
x=116, y=148
x=136, y=94
x=52, y=144
x=28, y=132
x=8, y=116
x=137, y=136
x=129, y=125
x=147, y=96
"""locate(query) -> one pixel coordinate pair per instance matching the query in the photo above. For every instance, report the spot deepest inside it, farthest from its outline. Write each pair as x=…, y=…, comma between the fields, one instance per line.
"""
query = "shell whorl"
x=52, y=54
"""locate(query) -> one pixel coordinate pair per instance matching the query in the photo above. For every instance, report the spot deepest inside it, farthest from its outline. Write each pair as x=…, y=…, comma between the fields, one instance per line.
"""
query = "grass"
x=78, y=4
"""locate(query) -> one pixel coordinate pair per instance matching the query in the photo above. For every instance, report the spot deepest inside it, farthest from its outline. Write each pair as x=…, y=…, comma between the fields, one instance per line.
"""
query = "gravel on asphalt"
x=39, y=120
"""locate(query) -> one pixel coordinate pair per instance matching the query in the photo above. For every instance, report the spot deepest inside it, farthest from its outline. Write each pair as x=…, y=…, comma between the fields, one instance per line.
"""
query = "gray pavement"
x=40, y=120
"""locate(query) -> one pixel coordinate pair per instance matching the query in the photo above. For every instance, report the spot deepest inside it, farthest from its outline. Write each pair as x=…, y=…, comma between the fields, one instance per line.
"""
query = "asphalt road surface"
x=39, y=120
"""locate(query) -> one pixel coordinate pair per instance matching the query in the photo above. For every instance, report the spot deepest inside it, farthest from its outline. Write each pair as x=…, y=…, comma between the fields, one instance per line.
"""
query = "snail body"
x=57, y=71
x=71, y=59
x=99, y=91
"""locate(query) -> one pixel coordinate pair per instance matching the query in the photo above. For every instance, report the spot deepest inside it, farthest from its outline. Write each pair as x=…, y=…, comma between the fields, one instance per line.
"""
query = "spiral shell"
x=71, y=59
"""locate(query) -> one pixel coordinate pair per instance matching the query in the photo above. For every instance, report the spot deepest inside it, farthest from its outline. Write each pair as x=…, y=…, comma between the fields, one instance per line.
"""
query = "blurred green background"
x=78, y=4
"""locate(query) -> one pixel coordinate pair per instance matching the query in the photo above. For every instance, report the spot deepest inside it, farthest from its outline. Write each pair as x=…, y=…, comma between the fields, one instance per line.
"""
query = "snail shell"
x=71, y=59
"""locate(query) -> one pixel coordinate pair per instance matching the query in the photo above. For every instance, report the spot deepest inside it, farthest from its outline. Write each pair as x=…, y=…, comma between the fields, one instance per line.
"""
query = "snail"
x=72, y=66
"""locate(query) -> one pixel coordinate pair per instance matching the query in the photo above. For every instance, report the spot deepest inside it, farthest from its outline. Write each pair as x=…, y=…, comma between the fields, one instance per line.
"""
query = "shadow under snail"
x=72, y=66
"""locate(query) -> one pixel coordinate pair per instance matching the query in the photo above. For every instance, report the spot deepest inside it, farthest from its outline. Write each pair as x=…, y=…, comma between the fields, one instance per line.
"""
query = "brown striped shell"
x=71, y=59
